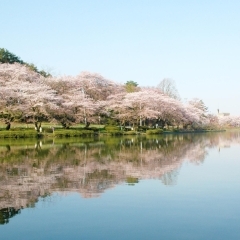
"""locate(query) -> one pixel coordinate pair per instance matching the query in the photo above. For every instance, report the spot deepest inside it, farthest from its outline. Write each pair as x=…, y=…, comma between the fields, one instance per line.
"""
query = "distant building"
x=223, y=114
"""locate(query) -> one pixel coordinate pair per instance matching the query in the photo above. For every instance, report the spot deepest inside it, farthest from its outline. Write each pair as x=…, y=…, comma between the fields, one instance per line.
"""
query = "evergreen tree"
x=8, y=57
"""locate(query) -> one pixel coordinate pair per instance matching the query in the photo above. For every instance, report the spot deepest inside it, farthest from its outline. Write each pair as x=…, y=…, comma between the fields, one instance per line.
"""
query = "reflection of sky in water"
x=203, y=204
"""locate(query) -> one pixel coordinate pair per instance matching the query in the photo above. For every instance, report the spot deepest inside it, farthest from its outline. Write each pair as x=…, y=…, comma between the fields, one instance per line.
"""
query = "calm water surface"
x=159, y=187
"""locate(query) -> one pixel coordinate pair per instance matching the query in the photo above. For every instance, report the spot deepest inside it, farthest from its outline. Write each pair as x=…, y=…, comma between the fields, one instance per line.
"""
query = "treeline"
x=29, y=96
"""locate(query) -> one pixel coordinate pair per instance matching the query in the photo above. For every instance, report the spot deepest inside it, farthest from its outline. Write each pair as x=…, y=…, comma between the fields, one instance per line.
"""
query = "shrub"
x=72, y=133
x=112, y=128
x=143, y=128
x=154, y=131
x=130, y=133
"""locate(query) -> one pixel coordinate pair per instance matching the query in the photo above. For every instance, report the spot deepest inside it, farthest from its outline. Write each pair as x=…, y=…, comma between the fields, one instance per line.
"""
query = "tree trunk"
x=87, y=124
x=38, y=126
x=8, y=125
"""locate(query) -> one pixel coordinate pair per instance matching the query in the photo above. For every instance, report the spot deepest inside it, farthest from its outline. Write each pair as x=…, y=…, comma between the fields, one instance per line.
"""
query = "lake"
x=182, y=186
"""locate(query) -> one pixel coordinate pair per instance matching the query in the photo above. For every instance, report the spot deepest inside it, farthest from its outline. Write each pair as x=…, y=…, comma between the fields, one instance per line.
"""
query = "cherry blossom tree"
x=148, y=103
x=78, y=105
x=197, y=111
x=229, y=121
x=25, y=94
x=96, y=86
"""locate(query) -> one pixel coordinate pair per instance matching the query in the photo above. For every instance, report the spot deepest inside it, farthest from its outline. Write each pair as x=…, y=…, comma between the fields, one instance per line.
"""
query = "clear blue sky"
x=196, y=43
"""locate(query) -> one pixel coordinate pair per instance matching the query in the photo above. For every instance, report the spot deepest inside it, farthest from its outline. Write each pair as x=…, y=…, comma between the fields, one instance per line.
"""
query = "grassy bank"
x=49, y=130
x=58, y=133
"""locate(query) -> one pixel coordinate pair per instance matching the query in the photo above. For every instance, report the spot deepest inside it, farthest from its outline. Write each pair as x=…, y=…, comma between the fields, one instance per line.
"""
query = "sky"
x=196, y=43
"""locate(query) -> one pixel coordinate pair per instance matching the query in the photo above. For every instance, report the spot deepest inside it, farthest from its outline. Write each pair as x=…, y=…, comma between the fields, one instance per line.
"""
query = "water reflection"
x=7, y=213
x=29, y=170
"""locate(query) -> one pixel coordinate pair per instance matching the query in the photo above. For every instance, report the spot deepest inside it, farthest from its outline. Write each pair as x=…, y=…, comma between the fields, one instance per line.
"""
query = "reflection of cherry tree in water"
x=91, y=167
x=170, y=178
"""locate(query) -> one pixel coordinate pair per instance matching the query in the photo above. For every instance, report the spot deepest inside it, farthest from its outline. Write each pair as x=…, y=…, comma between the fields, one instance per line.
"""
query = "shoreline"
x=83, y=133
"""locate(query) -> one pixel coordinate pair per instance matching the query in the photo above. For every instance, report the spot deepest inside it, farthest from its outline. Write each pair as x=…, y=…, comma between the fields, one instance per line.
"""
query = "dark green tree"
x=131, y=86
x=8, y=57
